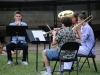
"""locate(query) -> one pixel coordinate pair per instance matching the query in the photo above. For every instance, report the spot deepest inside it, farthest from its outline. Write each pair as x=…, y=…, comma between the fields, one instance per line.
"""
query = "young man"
x=21, y=40
x=74, y=18
x=60, y=37
x=87, y=38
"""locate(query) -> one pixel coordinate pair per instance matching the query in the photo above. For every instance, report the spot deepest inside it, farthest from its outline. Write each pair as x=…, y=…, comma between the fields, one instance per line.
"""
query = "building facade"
x=39, y=12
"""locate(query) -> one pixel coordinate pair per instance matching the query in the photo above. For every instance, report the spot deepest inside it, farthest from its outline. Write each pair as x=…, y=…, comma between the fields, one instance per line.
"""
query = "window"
x=76, y=8
x=95, y=11
x=38, y=16
x=6, y=15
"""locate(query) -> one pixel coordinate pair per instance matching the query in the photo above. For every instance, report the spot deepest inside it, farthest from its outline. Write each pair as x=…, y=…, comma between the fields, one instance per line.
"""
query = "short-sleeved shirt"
x=66, y=35
x=88, y=38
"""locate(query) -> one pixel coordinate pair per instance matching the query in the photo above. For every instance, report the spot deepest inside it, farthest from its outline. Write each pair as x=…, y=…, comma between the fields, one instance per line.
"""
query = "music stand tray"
x=33, y=39
x=11, y=30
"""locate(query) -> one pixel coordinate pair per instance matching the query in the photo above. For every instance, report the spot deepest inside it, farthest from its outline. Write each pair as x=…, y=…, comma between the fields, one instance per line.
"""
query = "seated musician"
x=87, y=38
x=60, y=37
x=74, y=18
x=21, y=40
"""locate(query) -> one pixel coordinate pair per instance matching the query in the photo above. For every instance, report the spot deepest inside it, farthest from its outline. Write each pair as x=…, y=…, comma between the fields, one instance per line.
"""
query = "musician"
x=87, y=38
x=21, y=40
x=60, y=37
x=74, y=17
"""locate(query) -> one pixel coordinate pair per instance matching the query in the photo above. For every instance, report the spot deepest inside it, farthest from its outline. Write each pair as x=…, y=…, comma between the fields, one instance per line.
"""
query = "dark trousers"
x=10, y=46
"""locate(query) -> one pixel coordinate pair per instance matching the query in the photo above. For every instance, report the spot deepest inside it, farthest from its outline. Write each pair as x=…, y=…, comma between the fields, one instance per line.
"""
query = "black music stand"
x=36, y=41
x=16, y=31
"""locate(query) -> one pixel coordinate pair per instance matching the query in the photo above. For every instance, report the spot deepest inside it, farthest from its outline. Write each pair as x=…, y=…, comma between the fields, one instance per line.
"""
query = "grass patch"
x=31, y=68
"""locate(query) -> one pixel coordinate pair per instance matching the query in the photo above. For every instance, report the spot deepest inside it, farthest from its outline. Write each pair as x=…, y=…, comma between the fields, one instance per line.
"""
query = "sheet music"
x=38, y=35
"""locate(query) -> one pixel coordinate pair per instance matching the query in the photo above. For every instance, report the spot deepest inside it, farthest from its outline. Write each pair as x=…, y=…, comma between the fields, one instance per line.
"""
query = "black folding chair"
x=90, y=55
x=17, y=49
x=69, y=46
x=17, y=55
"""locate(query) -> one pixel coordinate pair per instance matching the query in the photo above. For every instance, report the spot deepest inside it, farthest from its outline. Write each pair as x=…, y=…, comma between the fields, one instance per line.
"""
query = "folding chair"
x=16, y=49
x=17, y=55
x=90, y=55
x=69, y=46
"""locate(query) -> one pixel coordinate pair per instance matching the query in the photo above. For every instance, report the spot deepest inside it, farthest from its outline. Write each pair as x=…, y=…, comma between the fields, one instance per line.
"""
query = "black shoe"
x=72, y=68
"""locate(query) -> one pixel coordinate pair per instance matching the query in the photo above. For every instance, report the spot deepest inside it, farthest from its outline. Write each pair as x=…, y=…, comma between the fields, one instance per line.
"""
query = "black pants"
x=10, y=46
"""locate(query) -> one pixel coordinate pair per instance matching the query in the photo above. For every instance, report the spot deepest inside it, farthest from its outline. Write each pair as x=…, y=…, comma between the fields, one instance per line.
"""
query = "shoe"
x=42, y=72
x=58, y=73
x=46, y=73
x=72, y=68
x=9, y=62
x=24, y=62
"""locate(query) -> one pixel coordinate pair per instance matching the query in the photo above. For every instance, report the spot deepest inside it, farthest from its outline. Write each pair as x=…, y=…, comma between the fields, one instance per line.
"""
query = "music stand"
x=16, y=31
x=34, y=41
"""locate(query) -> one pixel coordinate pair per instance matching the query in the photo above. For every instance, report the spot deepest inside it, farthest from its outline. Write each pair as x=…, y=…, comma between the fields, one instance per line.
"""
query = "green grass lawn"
x=31, y=68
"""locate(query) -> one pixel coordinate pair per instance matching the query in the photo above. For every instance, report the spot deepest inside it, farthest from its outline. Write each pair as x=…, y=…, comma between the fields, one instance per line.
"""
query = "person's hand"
x=78, y=29
x=54, y=32
x=56, y=29
x=17, y=23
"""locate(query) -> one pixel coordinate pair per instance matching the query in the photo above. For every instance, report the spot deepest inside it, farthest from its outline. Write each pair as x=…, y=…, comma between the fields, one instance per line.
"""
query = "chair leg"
x=79, y=59
x=54, y=67
x=69, y=72
x=77, y=63
x=27, y=56
x=72, y=66
x=61, y=72
x=88, y=62
x=83, y=63
x=16, y=57
x=94, y=64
